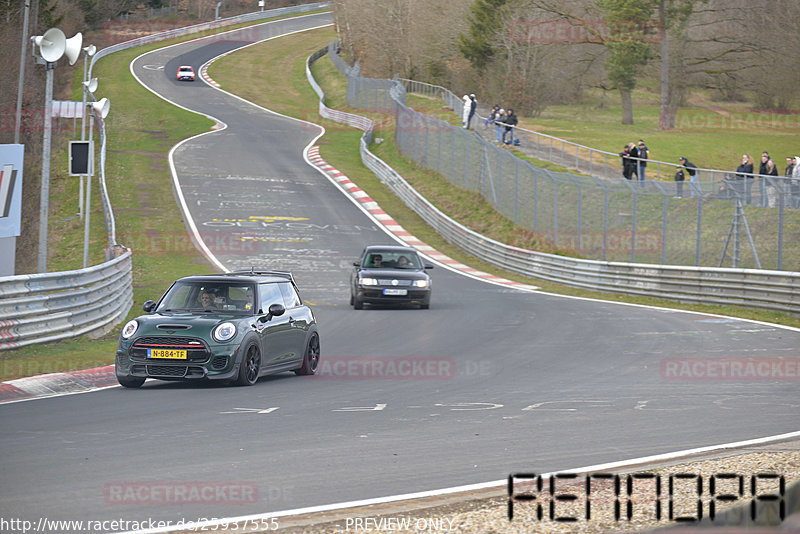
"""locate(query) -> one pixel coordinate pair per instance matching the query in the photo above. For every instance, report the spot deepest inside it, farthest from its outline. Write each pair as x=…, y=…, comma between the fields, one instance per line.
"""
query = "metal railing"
x=774, y=290
x=38, y=308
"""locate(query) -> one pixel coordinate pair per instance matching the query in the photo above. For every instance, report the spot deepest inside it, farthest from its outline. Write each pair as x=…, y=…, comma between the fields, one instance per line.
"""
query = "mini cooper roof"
x=246, y=276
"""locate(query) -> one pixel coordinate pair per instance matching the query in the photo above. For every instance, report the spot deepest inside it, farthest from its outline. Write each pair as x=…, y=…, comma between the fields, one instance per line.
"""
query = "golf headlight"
x=368, y=281
x=421, y=283
x=130, y=329
x=224, y=332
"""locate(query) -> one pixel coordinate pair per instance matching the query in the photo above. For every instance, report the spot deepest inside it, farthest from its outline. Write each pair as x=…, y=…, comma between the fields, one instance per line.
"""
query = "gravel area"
x=487, y=515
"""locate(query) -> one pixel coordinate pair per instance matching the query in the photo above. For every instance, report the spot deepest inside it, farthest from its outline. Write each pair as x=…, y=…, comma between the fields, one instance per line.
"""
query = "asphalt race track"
x=504, y=380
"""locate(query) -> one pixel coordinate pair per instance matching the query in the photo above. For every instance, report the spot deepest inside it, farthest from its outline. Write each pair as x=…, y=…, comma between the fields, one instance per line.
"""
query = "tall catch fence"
x=718, y=220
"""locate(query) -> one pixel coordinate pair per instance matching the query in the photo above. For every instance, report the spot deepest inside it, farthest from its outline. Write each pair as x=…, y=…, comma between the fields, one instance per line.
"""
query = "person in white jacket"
x=465, y=111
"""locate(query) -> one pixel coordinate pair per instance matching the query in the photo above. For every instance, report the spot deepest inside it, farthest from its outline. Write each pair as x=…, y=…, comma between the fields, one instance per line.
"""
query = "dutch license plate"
x=169, y=354
x=395, y=292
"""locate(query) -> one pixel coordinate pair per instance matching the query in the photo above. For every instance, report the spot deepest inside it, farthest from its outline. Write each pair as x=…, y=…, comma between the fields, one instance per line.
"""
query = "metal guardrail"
x=38, y=308
x=773, y=290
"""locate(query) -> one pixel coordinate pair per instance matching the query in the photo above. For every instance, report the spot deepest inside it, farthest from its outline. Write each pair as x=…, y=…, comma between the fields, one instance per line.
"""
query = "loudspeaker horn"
x=90, y=50
x=102, y=107
x=51, y=45
x=73, y=48
x=91, y=85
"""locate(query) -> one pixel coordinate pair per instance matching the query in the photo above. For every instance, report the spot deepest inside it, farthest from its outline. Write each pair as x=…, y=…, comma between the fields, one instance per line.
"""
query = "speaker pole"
x=44, y=198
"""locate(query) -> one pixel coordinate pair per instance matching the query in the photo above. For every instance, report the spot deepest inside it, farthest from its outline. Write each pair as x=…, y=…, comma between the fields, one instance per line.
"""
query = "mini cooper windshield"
x=208, y=297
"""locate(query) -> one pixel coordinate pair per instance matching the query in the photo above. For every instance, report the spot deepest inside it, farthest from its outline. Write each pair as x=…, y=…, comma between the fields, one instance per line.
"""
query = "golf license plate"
x=396, y=292
x=169, y=354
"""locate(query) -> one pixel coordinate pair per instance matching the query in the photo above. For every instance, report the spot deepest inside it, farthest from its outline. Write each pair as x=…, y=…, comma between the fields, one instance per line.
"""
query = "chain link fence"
x=708, y=222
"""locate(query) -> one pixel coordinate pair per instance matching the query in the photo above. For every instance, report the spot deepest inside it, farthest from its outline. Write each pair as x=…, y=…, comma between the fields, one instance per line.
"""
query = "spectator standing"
x=789, y=167
x=491, y=118
x=744, y=172
x=467, y=104
x=500, y=117
x=473, y=105
x=633, y=153
x=510, y=122
x=792, y=186
x=764, y=171
x=772, y=191
x=796, y=183
x=690, y=169
x=644, y=155
x=626, y=162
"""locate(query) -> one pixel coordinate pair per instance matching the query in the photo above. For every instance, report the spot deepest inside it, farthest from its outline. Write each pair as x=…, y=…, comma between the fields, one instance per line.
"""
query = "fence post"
x=516, y=190
x=699, y=231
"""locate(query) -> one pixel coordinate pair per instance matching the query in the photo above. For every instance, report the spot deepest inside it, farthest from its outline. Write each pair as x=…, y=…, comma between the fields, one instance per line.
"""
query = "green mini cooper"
x=233, y=327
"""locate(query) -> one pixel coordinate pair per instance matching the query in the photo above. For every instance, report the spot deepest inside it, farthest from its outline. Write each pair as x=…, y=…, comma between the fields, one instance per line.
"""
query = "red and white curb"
x=398, y=231
x=57, y=384
x=209, y=80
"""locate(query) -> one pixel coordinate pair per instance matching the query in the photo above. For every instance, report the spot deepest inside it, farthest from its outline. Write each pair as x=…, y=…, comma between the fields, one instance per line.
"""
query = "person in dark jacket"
x=626, y=162
x=510, y=122
x=767, y=171
x=690, y=169
x=644, y=154
x=744, y=173
x=473, y=105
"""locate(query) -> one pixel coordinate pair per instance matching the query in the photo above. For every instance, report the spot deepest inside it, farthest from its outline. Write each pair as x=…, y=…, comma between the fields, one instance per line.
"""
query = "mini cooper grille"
x=166, y=370
x=196, y=350
x=219, y=362
x=169, y=342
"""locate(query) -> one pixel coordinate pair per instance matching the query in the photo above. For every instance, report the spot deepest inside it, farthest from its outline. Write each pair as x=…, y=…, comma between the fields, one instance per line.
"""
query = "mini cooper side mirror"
x=149, y=306
x=356, y=264
x=275, y=310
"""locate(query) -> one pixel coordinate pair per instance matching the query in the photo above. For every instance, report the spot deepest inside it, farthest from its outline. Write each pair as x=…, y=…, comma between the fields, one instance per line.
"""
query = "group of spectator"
x=635, y=154
x=504, y=122
x=768, y=167
x=745, y=173
x=634, y=160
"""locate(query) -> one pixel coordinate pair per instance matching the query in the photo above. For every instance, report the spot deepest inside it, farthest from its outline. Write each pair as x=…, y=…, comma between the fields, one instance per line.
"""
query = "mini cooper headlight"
x=421, y=283
x=130, y=329
x=224, y=332
x=368, y=281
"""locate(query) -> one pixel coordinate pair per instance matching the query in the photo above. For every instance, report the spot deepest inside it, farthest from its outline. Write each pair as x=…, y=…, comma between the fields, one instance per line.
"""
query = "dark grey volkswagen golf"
x=390, y=274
